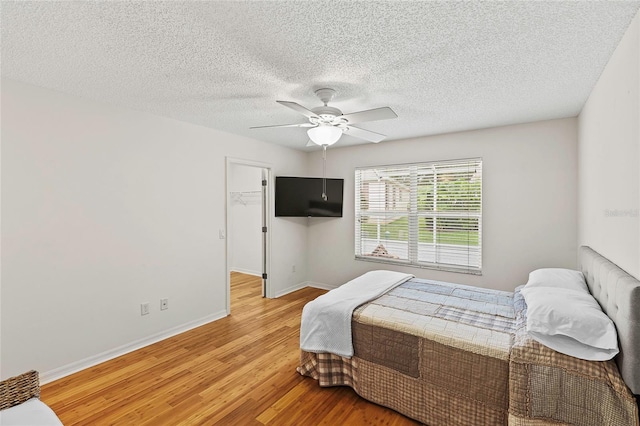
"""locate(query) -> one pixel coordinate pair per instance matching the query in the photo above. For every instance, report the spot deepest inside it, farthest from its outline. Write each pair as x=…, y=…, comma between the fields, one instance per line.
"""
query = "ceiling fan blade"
x=285, y=125
x=383, y=113
x=297, y=107
x=363, y=134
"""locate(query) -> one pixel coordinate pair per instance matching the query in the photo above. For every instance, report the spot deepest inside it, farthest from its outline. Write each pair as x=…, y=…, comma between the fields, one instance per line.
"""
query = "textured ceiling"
x=441, y=66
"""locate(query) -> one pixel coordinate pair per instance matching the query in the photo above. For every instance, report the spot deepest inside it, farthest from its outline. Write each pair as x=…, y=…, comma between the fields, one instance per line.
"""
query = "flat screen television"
x=302, y=197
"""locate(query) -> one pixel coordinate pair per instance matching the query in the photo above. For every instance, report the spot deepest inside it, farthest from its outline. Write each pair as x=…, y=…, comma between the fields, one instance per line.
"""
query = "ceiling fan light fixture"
x=324, y=134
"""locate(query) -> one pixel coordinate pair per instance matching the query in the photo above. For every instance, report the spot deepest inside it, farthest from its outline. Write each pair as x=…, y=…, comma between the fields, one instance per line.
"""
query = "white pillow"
x=558, y=278
x=570, y=322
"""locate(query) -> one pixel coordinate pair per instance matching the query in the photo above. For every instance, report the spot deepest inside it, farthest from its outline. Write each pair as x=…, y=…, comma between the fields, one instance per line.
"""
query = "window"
x=426, y=215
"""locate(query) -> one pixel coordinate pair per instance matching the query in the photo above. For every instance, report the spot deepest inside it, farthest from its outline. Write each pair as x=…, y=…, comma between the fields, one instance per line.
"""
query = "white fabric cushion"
x=30, y=413
x=570, y=322
x=558, y=278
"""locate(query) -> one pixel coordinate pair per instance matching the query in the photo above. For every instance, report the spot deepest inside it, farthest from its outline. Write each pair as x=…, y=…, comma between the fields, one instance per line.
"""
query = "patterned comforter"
x=449, y=354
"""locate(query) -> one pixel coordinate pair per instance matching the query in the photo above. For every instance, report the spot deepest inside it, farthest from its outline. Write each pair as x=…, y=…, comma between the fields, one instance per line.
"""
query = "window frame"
x=414, y=214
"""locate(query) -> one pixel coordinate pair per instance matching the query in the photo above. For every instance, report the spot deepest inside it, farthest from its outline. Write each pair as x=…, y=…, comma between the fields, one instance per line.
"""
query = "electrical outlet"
x=293, y=268
x=221, y=234
x=164, y=304
x=144, y=309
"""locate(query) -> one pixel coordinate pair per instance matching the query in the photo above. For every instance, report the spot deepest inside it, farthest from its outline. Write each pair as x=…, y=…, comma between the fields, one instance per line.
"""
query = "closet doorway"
x=248, y=193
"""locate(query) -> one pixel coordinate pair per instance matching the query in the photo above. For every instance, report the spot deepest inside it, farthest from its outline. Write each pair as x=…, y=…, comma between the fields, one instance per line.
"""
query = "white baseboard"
x=321, y=286
x=74, y=367
x=291, y=289
x=246, y=271
x=302, y=285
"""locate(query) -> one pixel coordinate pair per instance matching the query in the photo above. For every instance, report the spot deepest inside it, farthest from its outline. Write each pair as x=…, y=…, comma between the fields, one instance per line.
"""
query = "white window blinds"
x=427, y=215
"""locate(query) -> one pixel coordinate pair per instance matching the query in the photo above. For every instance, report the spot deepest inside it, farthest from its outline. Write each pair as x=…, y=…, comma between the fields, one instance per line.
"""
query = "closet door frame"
x=267, y=213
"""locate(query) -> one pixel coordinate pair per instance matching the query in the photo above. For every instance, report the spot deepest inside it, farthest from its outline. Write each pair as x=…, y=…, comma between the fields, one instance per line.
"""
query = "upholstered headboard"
x=619, y=295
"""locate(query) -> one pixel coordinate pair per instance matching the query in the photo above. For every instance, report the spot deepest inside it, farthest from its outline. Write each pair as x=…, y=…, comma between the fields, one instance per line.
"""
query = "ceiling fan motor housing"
x=326, y=113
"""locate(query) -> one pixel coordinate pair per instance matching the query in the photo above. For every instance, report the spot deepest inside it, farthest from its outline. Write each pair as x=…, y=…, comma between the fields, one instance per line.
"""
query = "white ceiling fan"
x=326, y=124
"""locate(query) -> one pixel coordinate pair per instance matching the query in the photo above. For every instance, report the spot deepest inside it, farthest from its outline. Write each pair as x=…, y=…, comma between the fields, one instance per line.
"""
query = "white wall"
x=245, y=236
x=529, y=201
x=609, y=159
x=104, y=208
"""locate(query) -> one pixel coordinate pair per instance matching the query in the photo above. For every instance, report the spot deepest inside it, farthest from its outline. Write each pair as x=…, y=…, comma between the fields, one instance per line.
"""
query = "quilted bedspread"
x=449, y=354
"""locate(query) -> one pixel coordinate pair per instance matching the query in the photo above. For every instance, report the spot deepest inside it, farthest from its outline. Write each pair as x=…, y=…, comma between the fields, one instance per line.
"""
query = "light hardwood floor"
x=239, y=370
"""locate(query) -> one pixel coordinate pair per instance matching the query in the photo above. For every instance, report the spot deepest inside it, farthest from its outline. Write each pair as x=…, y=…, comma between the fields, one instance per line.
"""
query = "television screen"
x=302, y=197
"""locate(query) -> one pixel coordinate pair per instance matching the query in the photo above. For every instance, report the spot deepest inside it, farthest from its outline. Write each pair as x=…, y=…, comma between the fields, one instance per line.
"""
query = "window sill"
x=436, y=267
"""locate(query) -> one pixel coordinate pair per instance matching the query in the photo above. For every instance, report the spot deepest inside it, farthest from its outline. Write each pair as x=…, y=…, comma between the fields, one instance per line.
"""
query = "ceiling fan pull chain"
x=324, y=172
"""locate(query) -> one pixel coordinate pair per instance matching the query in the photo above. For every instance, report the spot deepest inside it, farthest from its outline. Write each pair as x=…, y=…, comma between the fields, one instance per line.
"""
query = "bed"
x=448, y=354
